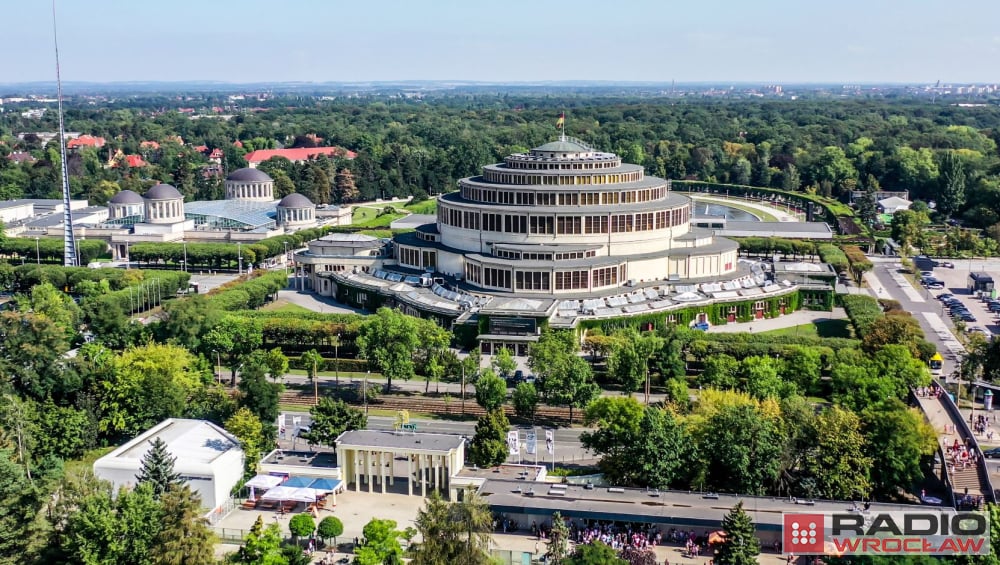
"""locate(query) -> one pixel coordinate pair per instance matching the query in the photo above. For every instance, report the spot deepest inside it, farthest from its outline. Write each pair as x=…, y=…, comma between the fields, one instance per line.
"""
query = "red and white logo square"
x=803, y=534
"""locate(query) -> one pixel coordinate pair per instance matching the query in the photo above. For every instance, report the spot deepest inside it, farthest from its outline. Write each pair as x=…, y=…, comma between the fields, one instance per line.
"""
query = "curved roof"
x=126, y=197
x=247, y=174
x=162, y=192
x=295, y=200
x=564, y=146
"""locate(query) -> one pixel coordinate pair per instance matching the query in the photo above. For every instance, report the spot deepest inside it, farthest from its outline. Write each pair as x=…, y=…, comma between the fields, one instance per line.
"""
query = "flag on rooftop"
x=561, y=122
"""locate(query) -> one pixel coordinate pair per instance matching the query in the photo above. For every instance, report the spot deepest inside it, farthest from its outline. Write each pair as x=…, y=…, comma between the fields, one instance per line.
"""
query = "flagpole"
x=562, y=136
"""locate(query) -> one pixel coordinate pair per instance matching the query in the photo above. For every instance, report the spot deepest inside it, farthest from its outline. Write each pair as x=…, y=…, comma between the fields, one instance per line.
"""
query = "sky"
x=760, y=41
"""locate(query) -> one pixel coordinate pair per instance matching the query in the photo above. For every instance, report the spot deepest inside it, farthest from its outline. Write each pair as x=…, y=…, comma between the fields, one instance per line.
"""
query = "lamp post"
x=239, y=256
x=185, y=256
x=38, y=256
x=336, y=359
x=218, y=366
x=463, y=389
x=285, y=243
x=364, y=391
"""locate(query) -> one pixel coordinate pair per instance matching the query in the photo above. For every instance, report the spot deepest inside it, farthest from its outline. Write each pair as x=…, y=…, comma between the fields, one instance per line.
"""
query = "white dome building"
x=164, y=205
x=126, y=204
x=249, y=184
x=295, y=210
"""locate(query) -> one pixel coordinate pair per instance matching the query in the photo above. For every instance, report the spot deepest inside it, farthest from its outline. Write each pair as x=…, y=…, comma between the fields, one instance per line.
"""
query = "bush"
x=862, y=310
x=832, y=255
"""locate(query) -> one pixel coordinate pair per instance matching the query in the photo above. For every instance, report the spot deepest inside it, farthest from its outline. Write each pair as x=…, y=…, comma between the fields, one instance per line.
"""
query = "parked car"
x=948, y=265
x=927, y=274
x=945, y=296
x=969, y=318
x=992, y=453
x=935, y=285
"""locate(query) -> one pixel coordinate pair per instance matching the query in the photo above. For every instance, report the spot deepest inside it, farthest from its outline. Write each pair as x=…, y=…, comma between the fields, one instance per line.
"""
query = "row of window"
x=416, y=258
x=518, y=198
x=568, y=225
x=516, y=178
x=517, y=163
x=535, y=256
x=542, y=280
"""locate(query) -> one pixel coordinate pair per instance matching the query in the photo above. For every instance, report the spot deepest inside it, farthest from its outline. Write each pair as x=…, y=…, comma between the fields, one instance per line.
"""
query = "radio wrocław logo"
x=944, y=532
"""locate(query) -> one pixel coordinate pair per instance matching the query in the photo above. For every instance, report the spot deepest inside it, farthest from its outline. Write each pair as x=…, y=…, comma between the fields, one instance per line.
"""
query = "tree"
x=658, y=455
x=838, y=465
x=21, y=501
x=908, y=228
x=762, y=377
x=572, y=385
x=346, y=189
x=739, y=447
x=390, y=341
x=262, y=545
x=311, y=360
x=558, y=540
x=625, y=365
x=897, y=440
x=158, y=469
x=491, y=391
x=54, y=305
x=803, y=366
x=741, y=546
x=488, y=447
x=617, y=421
x=235, y=337
x=114, y=530
x=258, y=395
x=381, y=545
x=457, y=533
x=503, y=363
x=594, y=553
x=301, y=525
x=790, y=180
x=184, y=537
x=273, y=361
x=525, y=399
x=720, y=371
x=330, y=527
x=951, y=194
x=248, y=428
x=332, y=417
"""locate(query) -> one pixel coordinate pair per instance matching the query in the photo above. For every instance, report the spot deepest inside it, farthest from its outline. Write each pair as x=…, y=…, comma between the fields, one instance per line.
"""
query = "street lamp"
x=336, y=357
x=185, y=256
x=364, y=391
x=38, y=256
x=239, y=255
x=218, y=366
x=285, y=243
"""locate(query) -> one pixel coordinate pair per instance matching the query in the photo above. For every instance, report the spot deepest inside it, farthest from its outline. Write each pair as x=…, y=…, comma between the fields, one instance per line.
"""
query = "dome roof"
x=295, y=200
x=126, y=197
x=563, y=146
x=162, y=192
x=247, y=174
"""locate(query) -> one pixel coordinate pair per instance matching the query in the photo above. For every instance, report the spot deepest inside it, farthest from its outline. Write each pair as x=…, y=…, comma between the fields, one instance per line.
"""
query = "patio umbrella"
x=325, y=485
x=298, y=482
x=279, y=493
x=264, y=481
x=302, y=495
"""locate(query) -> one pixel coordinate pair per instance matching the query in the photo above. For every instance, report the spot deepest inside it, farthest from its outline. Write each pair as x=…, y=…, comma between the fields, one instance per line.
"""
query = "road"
x=567, y=440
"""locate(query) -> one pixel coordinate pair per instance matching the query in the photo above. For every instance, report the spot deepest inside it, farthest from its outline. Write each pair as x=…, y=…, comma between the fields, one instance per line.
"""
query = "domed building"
x=126, y=205
x=164, y=205
x=249, y=184
x=551, y=237
x=295, y=210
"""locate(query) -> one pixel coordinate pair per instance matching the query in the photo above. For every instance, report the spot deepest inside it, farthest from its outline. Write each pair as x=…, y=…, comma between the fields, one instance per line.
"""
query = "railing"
x=962, y=427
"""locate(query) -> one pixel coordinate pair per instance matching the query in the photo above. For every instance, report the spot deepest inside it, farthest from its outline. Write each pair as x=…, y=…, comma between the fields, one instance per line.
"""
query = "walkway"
x=964, y=481
x=787, y=321
x=715, y=199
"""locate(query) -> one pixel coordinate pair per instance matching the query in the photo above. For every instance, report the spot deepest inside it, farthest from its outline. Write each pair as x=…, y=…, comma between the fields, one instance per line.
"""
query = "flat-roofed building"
x=370, y=457
x=208, y=458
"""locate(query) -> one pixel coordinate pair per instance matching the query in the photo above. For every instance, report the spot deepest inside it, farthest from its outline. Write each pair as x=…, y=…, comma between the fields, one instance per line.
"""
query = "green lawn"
x=363, y=214
x=426, y=207
x=284, y=306
x=826, y=328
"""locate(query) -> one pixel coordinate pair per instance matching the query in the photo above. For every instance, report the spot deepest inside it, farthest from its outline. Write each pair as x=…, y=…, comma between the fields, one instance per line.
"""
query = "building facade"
x=565, y=218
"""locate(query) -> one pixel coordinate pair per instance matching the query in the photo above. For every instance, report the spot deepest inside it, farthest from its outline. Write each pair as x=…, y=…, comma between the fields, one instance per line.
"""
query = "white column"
x=409, y=474
x=358, y=461
x=437, y=473
x=423, y=476
x=368, y=469
x=381, y=467
x=392, y=468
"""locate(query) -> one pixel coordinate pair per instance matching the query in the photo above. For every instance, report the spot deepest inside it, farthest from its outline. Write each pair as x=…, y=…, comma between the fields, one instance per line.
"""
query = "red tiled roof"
x=149, y=144
x=216, y=154
x=21, y=157
x=238, y=143
x=135, y=161
x=300, y=154
x=85, y=141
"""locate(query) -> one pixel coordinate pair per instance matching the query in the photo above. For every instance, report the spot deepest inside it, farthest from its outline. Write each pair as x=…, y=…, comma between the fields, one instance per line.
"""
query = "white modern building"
x=208, y=458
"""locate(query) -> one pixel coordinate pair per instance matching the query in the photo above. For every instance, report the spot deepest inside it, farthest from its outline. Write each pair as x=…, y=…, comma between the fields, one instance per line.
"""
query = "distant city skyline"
x=252, y=41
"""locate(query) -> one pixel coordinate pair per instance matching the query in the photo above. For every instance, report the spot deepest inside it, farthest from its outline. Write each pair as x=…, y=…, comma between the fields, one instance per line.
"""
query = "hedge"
x=155, y=285
x=833, y=255
x=863, y=310
x=858, y=261
x=248, y=292
x=48, y=250
x=332, y=365
x=772, y=245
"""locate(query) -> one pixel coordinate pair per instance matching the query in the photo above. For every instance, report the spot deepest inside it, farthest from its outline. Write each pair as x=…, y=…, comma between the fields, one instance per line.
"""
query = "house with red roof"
x=151, y=145
x=215, y=155
x=297, y=155
x=21, y=157
x=85, y=141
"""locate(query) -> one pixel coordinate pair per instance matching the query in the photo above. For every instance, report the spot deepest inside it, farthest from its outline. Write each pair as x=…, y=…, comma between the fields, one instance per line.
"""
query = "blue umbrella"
x=297, y=482
x=328, y=485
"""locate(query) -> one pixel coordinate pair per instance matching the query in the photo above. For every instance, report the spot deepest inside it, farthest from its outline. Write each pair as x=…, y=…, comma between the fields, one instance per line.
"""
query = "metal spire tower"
x=70, y=258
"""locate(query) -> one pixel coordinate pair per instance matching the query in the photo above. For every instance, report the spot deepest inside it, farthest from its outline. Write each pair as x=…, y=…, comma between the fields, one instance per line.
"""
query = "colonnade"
x=286, y=215
x=375, y=469
x=164, y=210
x=253, y=190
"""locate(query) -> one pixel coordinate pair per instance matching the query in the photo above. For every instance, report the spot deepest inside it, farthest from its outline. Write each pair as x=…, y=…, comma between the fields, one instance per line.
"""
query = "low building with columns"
x=373, y=460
